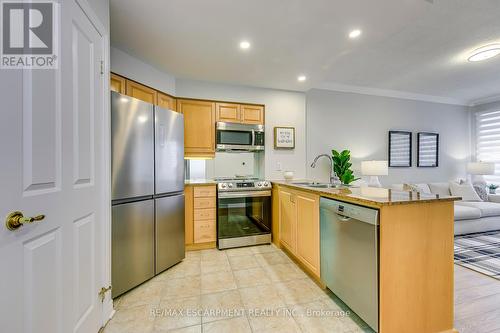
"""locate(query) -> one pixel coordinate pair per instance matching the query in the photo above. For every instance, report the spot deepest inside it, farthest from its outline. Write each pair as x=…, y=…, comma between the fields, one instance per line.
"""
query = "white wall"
x=360, y=123
x=232, y=164
x=133, y=68
x=487, y=106
x=283, y=108
x=101, y=9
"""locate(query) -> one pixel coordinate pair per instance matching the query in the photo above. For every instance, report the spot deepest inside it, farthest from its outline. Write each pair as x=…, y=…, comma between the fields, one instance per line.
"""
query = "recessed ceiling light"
x=301, y=78
x=355, y=34
x=485, y=52
x=244, y=45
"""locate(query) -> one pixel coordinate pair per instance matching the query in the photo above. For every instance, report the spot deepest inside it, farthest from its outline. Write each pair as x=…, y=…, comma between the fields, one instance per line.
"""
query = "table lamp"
x=374, y=169
x=479, y=169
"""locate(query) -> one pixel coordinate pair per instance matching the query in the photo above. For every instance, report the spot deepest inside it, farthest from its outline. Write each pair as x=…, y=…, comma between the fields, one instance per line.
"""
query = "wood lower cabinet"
x=299, y=226
x=141, y=92
x=188, y=214
x=204, y=191
x=204, y=231
x=200, y=216
x=308, y=249
x=166, y=102
x=252, y=114
x=117, y=83
x=199, y=127
x=288, y=220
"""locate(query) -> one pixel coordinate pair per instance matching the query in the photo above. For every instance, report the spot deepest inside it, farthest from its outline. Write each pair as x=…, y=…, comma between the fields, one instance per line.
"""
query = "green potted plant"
x=342, y=166
x=492, y=188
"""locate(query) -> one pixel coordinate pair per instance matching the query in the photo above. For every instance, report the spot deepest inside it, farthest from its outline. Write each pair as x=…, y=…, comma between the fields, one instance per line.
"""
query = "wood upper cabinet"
x=252, y=114
x=299, y=226
x=199, y=127
x=239, y=113
x=308, y=250
x=166, y=102
x=227, y=112
x=117, y=83
x=288, y=220
x=141, y=92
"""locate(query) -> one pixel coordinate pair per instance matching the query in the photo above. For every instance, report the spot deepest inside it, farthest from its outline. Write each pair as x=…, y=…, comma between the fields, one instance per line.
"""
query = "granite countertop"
x=369, y=196
x=200, y=182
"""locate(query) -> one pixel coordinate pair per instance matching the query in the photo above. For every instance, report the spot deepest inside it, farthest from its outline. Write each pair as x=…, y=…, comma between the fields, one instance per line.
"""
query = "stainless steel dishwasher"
x=349, y=256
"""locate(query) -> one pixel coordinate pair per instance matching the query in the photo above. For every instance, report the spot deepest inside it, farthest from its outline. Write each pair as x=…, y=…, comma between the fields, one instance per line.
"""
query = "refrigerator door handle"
x=161, y=130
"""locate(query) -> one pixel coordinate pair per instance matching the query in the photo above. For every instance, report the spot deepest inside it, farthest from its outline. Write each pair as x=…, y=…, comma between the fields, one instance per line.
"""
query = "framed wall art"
x=284, y=137
x=427, y=150
x=400, y=146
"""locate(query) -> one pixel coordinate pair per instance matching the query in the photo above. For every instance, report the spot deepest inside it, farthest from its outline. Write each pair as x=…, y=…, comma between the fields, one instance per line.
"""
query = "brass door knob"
x=16, y=219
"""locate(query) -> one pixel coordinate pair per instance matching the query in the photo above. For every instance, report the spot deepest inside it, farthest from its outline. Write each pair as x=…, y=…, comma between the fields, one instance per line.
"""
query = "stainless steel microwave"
x=239, y=137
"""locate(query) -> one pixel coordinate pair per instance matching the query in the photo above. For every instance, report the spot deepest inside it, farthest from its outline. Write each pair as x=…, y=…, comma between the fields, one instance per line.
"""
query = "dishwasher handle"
x=343, y=218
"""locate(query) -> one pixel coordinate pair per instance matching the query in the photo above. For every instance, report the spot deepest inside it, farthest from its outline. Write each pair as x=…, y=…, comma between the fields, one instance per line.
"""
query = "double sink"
x=316, y=185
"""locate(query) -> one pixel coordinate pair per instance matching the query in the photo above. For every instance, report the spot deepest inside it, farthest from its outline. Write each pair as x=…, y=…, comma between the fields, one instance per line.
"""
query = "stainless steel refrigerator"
x=147, y=191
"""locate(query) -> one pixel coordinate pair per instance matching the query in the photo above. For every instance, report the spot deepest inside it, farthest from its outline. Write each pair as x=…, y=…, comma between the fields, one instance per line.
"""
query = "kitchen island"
x=415, y=249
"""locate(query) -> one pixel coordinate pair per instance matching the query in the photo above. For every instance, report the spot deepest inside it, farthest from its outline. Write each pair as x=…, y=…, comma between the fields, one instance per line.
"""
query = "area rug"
x=480, y=252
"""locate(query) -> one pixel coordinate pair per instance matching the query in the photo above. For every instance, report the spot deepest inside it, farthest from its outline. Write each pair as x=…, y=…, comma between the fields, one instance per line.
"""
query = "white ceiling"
x=408, y=47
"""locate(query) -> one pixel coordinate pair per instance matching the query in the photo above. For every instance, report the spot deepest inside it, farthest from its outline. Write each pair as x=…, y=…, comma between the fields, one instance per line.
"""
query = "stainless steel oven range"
x=243, y=213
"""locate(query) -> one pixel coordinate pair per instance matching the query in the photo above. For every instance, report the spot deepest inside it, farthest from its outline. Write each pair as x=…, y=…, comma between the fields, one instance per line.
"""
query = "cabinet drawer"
x=204, y=191
x=204, y=214
x=204, y=202
x=204, y=231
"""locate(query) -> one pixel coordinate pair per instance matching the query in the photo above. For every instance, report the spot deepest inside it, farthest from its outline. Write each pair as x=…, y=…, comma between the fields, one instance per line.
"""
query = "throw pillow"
x=440, y=188
x=481, y=191
x=410, y=187
x=466, y=191
x=423, y=188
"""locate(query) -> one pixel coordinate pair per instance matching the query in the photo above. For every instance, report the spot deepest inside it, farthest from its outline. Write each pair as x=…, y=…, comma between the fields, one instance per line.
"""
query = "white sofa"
x=470, y=216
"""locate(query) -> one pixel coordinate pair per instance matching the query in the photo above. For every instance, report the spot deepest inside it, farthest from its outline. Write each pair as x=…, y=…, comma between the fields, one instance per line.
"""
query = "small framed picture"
x=284, y=137
x=399, y=149
x=427, y=150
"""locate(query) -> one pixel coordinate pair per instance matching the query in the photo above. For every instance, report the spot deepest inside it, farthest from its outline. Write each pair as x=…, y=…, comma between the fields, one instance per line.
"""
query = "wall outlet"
x=278, y=166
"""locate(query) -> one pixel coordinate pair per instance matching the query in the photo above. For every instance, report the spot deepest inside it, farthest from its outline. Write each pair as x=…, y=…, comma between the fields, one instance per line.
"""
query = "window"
x=488, y=141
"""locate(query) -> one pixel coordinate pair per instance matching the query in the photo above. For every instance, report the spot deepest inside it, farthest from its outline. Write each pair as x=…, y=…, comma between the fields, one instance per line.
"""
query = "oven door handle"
x=245, y=194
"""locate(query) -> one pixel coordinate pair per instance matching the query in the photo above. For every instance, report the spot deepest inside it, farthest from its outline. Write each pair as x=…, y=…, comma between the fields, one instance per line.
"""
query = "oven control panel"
x=244, y=185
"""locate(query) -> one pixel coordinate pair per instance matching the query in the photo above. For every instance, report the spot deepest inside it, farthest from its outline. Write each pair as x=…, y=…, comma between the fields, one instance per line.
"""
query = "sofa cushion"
x=465, y=190
x=423, y=188
x=442, y=189
x=397, y=187
x=487, y=208
x=463, y=212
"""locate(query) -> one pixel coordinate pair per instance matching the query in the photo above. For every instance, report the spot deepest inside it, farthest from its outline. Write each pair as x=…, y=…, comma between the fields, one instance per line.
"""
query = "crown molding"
x=486, y=100
x=390, y=93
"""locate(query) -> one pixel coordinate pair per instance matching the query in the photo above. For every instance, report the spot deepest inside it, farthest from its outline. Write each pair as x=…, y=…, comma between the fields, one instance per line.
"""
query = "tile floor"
x=254, y=289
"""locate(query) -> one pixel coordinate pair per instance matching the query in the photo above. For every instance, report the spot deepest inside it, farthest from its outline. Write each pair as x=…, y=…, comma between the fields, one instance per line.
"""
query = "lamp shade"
x=374, y=168
x=481, y=168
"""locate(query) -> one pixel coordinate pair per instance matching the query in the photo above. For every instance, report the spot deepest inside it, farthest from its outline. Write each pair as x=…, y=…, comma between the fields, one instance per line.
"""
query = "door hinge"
x=102, y=67
x=102, y=293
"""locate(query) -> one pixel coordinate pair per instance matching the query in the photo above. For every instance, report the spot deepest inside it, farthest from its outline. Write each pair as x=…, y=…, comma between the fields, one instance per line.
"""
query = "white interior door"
x=51, y=163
